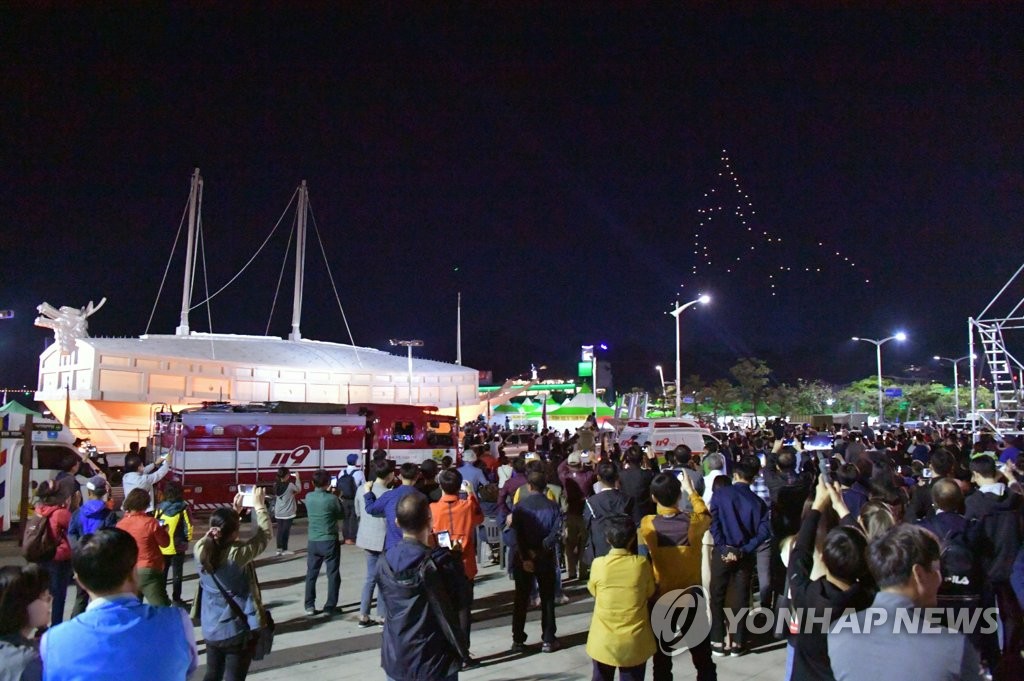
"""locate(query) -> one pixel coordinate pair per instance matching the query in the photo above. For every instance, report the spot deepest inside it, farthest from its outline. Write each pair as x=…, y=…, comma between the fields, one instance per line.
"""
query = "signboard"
x=904, y=404
x=688, y=399
x=894, y=392
x=4, y=434
x=42, y=427
x=586, y=369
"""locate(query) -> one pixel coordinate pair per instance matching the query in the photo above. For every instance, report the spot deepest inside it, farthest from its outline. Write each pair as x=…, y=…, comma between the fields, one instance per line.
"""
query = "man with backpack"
x=961, y=576
x=350, y=479
x=421, y=589
x=174, y=515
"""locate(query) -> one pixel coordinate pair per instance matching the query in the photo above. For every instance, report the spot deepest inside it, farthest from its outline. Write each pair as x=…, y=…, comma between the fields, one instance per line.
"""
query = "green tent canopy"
x=13, y=407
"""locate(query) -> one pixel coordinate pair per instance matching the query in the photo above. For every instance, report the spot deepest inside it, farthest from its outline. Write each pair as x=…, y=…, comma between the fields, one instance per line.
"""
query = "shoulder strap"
x=232, y=603
x=442, y=606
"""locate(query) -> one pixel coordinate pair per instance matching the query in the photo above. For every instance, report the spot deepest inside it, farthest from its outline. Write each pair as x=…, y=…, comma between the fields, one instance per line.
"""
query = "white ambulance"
x=665, y=434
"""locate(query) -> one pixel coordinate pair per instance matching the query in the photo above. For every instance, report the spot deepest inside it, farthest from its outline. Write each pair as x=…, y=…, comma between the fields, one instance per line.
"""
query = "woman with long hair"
x=24, y=609
x=286, y=487
x=227, y=575
x=53, y=505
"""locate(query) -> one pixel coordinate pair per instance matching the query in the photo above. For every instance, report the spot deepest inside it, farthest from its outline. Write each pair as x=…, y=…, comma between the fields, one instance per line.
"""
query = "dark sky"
x=558, y=159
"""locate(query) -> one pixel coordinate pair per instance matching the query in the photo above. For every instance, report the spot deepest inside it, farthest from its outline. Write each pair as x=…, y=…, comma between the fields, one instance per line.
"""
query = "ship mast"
x=300, y=262
x=458, y=332
x=195, y=198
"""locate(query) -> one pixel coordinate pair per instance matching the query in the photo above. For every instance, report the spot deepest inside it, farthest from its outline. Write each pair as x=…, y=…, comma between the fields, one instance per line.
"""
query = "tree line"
x=750, y=389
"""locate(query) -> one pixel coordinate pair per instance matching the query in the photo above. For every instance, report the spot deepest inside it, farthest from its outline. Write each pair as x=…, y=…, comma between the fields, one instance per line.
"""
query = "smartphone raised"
x=824, y=467
x=444, y=538
x=247, y=495
x=334, y=482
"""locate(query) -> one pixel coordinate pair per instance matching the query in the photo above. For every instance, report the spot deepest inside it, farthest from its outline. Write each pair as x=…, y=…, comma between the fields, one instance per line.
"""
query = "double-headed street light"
x=409, y=345
x=956, y=378
x=703, y=300
x=878, y=350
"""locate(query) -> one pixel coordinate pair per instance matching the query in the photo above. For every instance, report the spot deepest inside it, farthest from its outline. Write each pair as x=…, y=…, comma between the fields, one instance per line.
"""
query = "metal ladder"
x=1006, y=371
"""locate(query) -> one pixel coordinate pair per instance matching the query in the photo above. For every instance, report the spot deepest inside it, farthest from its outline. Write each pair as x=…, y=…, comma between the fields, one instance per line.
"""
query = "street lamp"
x=409, y=345
x=956, y=378
x=593, y=359
x=661, y=375
x=703, y=300
x=900, y=336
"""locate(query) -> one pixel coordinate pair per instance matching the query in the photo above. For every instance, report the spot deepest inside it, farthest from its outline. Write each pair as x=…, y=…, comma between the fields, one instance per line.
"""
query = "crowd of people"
x=814, y=540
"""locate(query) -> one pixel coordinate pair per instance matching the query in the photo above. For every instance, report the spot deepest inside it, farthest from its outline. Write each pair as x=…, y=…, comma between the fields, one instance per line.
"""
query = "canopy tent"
x=13, y=407
x=575, y=411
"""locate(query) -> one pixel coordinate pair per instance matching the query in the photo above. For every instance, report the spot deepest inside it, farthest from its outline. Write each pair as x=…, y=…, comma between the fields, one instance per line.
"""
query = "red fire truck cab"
x=218, y=446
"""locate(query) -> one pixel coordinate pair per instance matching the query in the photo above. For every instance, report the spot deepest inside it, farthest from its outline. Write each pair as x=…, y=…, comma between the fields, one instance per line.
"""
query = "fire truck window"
x=439, y=433
x=50, y=456
x=403, y=431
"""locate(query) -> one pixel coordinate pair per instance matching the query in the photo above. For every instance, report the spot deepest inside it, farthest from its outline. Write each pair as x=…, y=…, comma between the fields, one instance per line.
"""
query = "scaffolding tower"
x=1006, y=415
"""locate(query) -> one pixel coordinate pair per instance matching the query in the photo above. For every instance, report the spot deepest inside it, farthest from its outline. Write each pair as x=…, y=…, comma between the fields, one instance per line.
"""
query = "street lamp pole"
x=661, y=375
x=956, y=378
x=878, y=353
x=703, y=300
x=408, y=345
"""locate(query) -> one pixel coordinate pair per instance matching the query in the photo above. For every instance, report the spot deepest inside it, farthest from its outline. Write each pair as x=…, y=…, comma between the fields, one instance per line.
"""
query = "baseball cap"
x=353, y=459
x=97, y=484
x=574, y=460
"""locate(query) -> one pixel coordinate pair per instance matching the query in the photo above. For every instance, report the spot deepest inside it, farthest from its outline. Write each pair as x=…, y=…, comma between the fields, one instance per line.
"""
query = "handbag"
x=263, y=640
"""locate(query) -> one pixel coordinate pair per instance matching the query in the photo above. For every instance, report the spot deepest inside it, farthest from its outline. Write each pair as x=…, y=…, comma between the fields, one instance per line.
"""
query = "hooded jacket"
x=415, y=645
x=178, y=522
x=93, y=515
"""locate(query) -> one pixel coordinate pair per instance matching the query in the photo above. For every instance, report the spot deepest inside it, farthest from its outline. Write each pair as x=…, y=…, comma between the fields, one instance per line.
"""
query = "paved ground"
x=319, y=648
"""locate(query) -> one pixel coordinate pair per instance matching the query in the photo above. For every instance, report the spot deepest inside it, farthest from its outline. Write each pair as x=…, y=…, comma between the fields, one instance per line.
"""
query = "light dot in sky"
x=867, y=281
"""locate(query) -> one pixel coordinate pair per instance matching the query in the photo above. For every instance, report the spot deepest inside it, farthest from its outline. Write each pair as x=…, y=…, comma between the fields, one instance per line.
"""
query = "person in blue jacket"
x=94, y=514
x=117, y=637
x=388, y=502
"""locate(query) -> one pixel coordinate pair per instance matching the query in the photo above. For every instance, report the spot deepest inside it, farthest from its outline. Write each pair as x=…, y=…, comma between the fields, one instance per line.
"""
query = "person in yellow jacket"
x=673, y=539
x=174, y=516
x=621, y=583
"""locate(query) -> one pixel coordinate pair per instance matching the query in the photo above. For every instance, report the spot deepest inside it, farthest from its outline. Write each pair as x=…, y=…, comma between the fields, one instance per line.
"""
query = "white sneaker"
x=278, y=552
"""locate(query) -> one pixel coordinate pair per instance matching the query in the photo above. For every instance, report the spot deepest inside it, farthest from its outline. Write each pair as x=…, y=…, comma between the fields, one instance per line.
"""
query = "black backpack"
x=347, y=485
x=961, y=570
x=39, y=544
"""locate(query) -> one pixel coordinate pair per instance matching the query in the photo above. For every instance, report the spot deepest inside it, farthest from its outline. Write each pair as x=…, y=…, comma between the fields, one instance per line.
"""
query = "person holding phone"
x=458, y=514
x=225, y=563
x=324, y=511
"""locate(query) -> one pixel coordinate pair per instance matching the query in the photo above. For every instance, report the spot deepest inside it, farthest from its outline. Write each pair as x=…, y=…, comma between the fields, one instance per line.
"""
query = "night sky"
x=550, y=164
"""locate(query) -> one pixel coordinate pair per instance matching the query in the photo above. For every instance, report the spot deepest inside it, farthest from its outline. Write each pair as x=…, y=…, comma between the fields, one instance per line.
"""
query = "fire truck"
x=216, y=447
